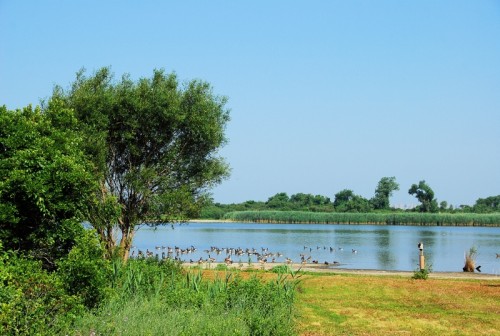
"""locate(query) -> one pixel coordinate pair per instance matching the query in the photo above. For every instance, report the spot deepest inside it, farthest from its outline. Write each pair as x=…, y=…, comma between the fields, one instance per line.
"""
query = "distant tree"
x=425, y=196
x=154, y=143
x=465, y=208
x=486, y=205
x=443, y=206
x=385, y=188
x=342, y=197
x=45, y=181
x=278, y=201
x=347, y=201
x=309, y=202
x=301, y=200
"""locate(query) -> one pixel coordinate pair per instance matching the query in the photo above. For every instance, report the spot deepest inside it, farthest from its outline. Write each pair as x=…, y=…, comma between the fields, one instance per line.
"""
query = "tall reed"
x=380, y=218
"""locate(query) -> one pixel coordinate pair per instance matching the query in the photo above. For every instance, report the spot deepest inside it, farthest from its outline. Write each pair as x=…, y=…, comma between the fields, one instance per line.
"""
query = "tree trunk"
x=126, y=242
x=106, y=236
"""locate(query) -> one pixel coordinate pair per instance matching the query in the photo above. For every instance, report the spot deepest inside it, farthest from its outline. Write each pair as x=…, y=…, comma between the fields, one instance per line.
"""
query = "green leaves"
x=154, y=143
x=386, y=186
x=425, y=196
x=46, y=181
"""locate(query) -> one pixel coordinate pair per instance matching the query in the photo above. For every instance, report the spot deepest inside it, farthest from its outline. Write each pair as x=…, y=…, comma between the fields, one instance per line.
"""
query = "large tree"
x=425, y=196
x=45, y=181
x=386, y=186
x=155, y=146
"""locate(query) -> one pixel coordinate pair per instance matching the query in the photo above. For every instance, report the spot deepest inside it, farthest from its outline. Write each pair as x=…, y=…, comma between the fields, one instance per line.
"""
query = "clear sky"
x=324, y=95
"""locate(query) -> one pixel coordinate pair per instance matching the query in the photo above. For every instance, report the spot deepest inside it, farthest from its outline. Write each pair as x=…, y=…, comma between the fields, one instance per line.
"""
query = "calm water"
x=377, y=247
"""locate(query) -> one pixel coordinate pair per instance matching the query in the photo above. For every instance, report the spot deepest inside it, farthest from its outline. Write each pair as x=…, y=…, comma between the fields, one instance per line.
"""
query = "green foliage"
x=385, y=188
x=212, y=212
x=161, y=298
x=278, y=201
x=84, y=271
x=155, y=147
x=281, y=269
x=347, y=201
x=422, y=274
x=425, y=196
x=396, y=218
x=45, y=181
x=487, y=205
x=32, y=300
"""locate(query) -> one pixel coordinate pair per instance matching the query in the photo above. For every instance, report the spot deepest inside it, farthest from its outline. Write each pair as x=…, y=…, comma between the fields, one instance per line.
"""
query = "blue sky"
x=324, y=95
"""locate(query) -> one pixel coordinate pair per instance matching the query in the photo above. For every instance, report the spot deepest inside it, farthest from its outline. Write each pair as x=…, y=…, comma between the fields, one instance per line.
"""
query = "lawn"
x=337, y=304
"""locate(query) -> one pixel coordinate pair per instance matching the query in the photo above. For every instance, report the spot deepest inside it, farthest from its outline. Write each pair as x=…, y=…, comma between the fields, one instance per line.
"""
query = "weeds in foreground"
x=422, y=274
x=161, y=298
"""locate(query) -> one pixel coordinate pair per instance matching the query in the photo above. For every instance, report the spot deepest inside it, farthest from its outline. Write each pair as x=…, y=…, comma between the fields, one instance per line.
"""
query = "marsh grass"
x=381, y=218
x=161, y=298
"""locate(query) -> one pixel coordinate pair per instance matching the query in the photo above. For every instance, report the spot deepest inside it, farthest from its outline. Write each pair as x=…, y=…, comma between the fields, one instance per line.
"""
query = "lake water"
x=377, y=247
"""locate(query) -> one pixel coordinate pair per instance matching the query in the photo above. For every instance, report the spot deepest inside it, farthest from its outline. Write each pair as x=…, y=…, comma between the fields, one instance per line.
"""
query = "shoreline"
x=213, y=221
x=334, y=270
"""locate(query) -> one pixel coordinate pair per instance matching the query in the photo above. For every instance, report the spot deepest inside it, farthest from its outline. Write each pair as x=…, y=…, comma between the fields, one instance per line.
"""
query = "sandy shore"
x=321, y=268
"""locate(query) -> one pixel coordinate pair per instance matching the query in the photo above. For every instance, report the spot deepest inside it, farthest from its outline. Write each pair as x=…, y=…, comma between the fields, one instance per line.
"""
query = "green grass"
x=389, y=305
x=379, y=218
x=153, y=298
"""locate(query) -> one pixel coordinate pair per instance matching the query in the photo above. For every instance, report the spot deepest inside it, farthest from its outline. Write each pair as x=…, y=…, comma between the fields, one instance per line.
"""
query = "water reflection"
x=377, y=247
x=385, y=255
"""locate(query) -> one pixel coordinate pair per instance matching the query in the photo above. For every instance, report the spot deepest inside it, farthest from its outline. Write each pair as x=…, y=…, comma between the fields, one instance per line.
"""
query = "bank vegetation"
x=378, y=218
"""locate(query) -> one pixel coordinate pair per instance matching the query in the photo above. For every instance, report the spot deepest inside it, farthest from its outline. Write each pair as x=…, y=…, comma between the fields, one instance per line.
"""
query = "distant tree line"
x=347, y=201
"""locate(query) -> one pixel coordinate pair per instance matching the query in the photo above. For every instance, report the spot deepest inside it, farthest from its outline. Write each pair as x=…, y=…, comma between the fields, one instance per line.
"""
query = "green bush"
x=84, y=271
x=422, y=274
x=32, y=300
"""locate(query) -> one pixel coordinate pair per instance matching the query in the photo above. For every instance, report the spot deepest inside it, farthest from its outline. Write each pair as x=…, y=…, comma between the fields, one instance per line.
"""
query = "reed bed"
x=378, y=218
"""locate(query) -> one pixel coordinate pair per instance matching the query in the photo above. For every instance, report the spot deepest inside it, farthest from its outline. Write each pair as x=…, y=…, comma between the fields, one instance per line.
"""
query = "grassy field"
x=390, y=305
x=396, y=218
x=162, y=299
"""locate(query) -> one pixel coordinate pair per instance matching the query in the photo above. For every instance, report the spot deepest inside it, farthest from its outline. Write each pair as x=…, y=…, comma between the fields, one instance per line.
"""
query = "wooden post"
x=421, y=254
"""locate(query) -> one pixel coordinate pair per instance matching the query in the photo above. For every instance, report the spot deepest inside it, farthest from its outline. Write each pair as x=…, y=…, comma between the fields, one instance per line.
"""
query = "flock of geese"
x=228, y=255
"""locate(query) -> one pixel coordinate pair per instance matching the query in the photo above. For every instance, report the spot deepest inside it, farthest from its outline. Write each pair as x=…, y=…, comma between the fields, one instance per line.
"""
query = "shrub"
x=32, y=300
x=84, y=271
